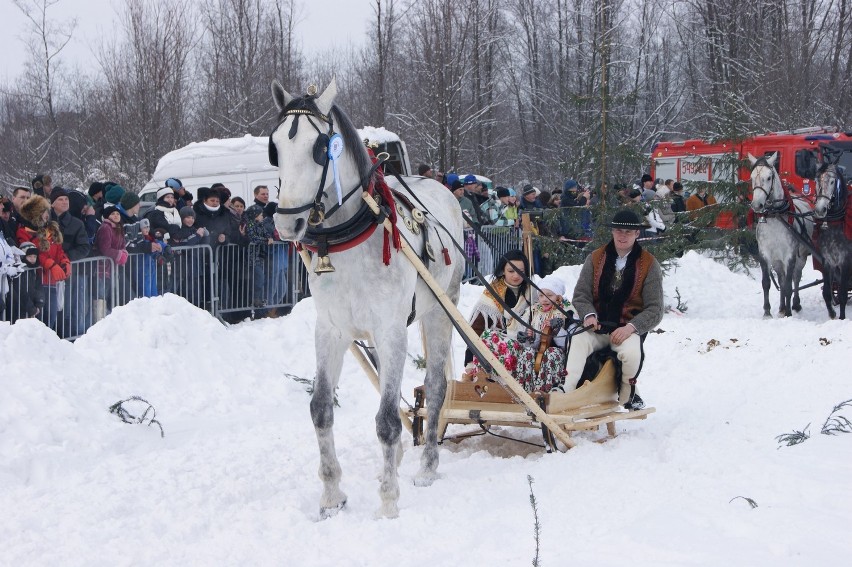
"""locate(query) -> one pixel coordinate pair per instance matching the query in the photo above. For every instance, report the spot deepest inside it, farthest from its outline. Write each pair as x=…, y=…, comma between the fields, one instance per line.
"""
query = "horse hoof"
x=767, y=315
x=388, y=510
x=425, y=478
x=797, y=308
x=331, y=511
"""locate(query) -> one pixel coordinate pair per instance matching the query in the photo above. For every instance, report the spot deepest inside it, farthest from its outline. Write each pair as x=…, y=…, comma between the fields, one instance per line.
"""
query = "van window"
x=149, y=197
x=806, y=163
x=394, y=162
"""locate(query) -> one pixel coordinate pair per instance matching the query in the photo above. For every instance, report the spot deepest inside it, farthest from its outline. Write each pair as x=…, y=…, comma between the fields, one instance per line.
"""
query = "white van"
x=241, y=164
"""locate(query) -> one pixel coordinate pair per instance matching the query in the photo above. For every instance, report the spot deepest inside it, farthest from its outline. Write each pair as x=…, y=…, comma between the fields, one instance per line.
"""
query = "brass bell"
x=418, y=216
x=312, y=90
x=324, y=265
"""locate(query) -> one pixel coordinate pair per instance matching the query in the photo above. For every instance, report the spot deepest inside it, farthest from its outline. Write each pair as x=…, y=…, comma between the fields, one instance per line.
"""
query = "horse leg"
x=843, y=288
x=438, y=332
x=391, y=348
x=764, y=281
x=787, y=288
x=827, y=291
x=797, y=279
x=331, y=344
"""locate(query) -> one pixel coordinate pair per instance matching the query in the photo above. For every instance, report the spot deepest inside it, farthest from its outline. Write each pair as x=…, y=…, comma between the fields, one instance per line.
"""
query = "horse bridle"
x=829, y=198
x=320, y=155
x=769, y=202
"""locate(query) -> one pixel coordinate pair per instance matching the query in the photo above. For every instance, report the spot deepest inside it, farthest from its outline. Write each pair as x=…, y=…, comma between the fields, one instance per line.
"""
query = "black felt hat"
x=627, y=219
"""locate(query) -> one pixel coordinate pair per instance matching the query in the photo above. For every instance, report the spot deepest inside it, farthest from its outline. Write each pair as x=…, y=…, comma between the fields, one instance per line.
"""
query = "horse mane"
x=343, y=125
x=352, y=142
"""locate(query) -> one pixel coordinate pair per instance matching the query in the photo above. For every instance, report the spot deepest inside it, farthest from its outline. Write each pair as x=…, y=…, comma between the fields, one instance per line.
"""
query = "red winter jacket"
x=55, y=265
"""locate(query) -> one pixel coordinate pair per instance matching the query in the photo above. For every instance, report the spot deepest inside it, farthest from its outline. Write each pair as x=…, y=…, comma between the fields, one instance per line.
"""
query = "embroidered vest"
x=633, y=304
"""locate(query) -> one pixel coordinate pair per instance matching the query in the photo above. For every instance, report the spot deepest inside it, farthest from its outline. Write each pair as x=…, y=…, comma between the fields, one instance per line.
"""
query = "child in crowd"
x=188, y=234
x=259, y=240
x=190, y=263
x=27, y=291
x=109, y=242
x=139, y=238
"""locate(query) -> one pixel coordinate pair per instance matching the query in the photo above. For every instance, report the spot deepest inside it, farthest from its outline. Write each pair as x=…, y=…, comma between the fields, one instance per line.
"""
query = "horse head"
x=830, y=187
x=765, y=183
x=299, y=145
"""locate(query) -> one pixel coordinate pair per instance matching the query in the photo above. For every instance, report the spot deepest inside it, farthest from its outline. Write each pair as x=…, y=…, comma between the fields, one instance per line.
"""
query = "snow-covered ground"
x=234, y=480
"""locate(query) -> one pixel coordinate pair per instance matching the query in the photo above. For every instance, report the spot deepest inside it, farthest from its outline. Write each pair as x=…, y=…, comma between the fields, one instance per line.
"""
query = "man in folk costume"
x=619, y=294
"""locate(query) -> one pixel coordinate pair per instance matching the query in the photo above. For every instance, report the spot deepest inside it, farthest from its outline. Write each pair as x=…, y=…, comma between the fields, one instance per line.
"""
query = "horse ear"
x=752, y=159
x=326, y=99
x=772, y=159
x=281, y=97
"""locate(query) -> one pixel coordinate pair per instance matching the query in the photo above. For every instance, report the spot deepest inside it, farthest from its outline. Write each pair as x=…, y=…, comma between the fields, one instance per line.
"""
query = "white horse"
x=363, y=298
x=782, y=230
x=834, y=246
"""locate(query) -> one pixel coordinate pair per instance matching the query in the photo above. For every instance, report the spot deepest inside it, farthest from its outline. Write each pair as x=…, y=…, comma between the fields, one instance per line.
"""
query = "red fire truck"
x=700, y=160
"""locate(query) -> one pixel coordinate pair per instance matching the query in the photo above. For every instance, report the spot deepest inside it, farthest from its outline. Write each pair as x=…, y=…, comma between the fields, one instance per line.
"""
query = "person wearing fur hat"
x=165, y=215
x=36, y=227
x=42, y=185
x=619, y=294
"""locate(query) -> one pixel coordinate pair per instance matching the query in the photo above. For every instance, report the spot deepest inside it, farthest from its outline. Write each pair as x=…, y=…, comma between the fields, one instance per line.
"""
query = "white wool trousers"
x=629, y=353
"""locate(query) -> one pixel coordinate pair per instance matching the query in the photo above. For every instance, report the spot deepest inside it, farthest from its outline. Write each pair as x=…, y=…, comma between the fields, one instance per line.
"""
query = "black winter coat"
x=218, y=222
x=75, y=239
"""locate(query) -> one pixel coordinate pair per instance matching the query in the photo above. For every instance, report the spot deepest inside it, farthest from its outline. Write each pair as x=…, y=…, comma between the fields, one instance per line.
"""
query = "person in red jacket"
x=36, y=227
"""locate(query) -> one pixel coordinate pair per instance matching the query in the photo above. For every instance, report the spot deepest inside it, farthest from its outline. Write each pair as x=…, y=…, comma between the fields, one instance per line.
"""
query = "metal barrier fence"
x=236, y=281
x=484, y=255
x=232, y=280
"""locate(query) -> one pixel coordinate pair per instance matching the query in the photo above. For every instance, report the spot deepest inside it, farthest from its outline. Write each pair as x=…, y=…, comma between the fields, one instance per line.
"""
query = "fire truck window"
x=777, y=161
x=806, y=164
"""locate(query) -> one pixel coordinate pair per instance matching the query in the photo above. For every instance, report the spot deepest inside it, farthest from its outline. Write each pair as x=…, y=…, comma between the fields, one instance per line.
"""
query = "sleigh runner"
x=487, y=403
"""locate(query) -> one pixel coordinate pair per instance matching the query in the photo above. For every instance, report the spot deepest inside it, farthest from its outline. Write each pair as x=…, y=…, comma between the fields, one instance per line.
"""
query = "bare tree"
x=41, y=81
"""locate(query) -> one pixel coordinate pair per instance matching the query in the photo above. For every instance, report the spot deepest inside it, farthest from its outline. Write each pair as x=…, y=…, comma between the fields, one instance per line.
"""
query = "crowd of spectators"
x=661, y=203
x=53, y=229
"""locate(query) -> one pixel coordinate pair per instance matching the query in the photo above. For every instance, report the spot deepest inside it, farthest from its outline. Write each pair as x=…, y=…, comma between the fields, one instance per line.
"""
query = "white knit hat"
x=553, y=284
x=165, y=191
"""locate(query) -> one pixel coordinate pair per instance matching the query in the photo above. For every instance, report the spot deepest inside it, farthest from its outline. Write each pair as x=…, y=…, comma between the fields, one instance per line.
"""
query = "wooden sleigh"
x=486, y=404
x=506, y=402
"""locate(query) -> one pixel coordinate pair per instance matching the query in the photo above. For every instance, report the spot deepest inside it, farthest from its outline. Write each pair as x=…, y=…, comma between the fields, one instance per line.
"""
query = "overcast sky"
x=343, y=20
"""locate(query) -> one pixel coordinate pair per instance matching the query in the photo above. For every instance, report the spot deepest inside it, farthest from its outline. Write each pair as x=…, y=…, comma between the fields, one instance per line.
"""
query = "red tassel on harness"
x=381, y=186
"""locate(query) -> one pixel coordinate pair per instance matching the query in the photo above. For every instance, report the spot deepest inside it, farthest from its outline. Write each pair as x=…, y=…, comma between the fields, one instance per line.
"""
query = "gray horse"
x=836, y=249
x=363, y=289
x=783, y=231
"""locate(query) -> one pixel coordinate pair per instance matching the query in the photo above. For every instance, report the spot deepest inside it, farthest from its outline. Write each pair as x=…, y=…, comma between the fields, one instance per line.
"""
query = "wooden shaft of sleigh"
x=366, y=366
x=464, y=326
